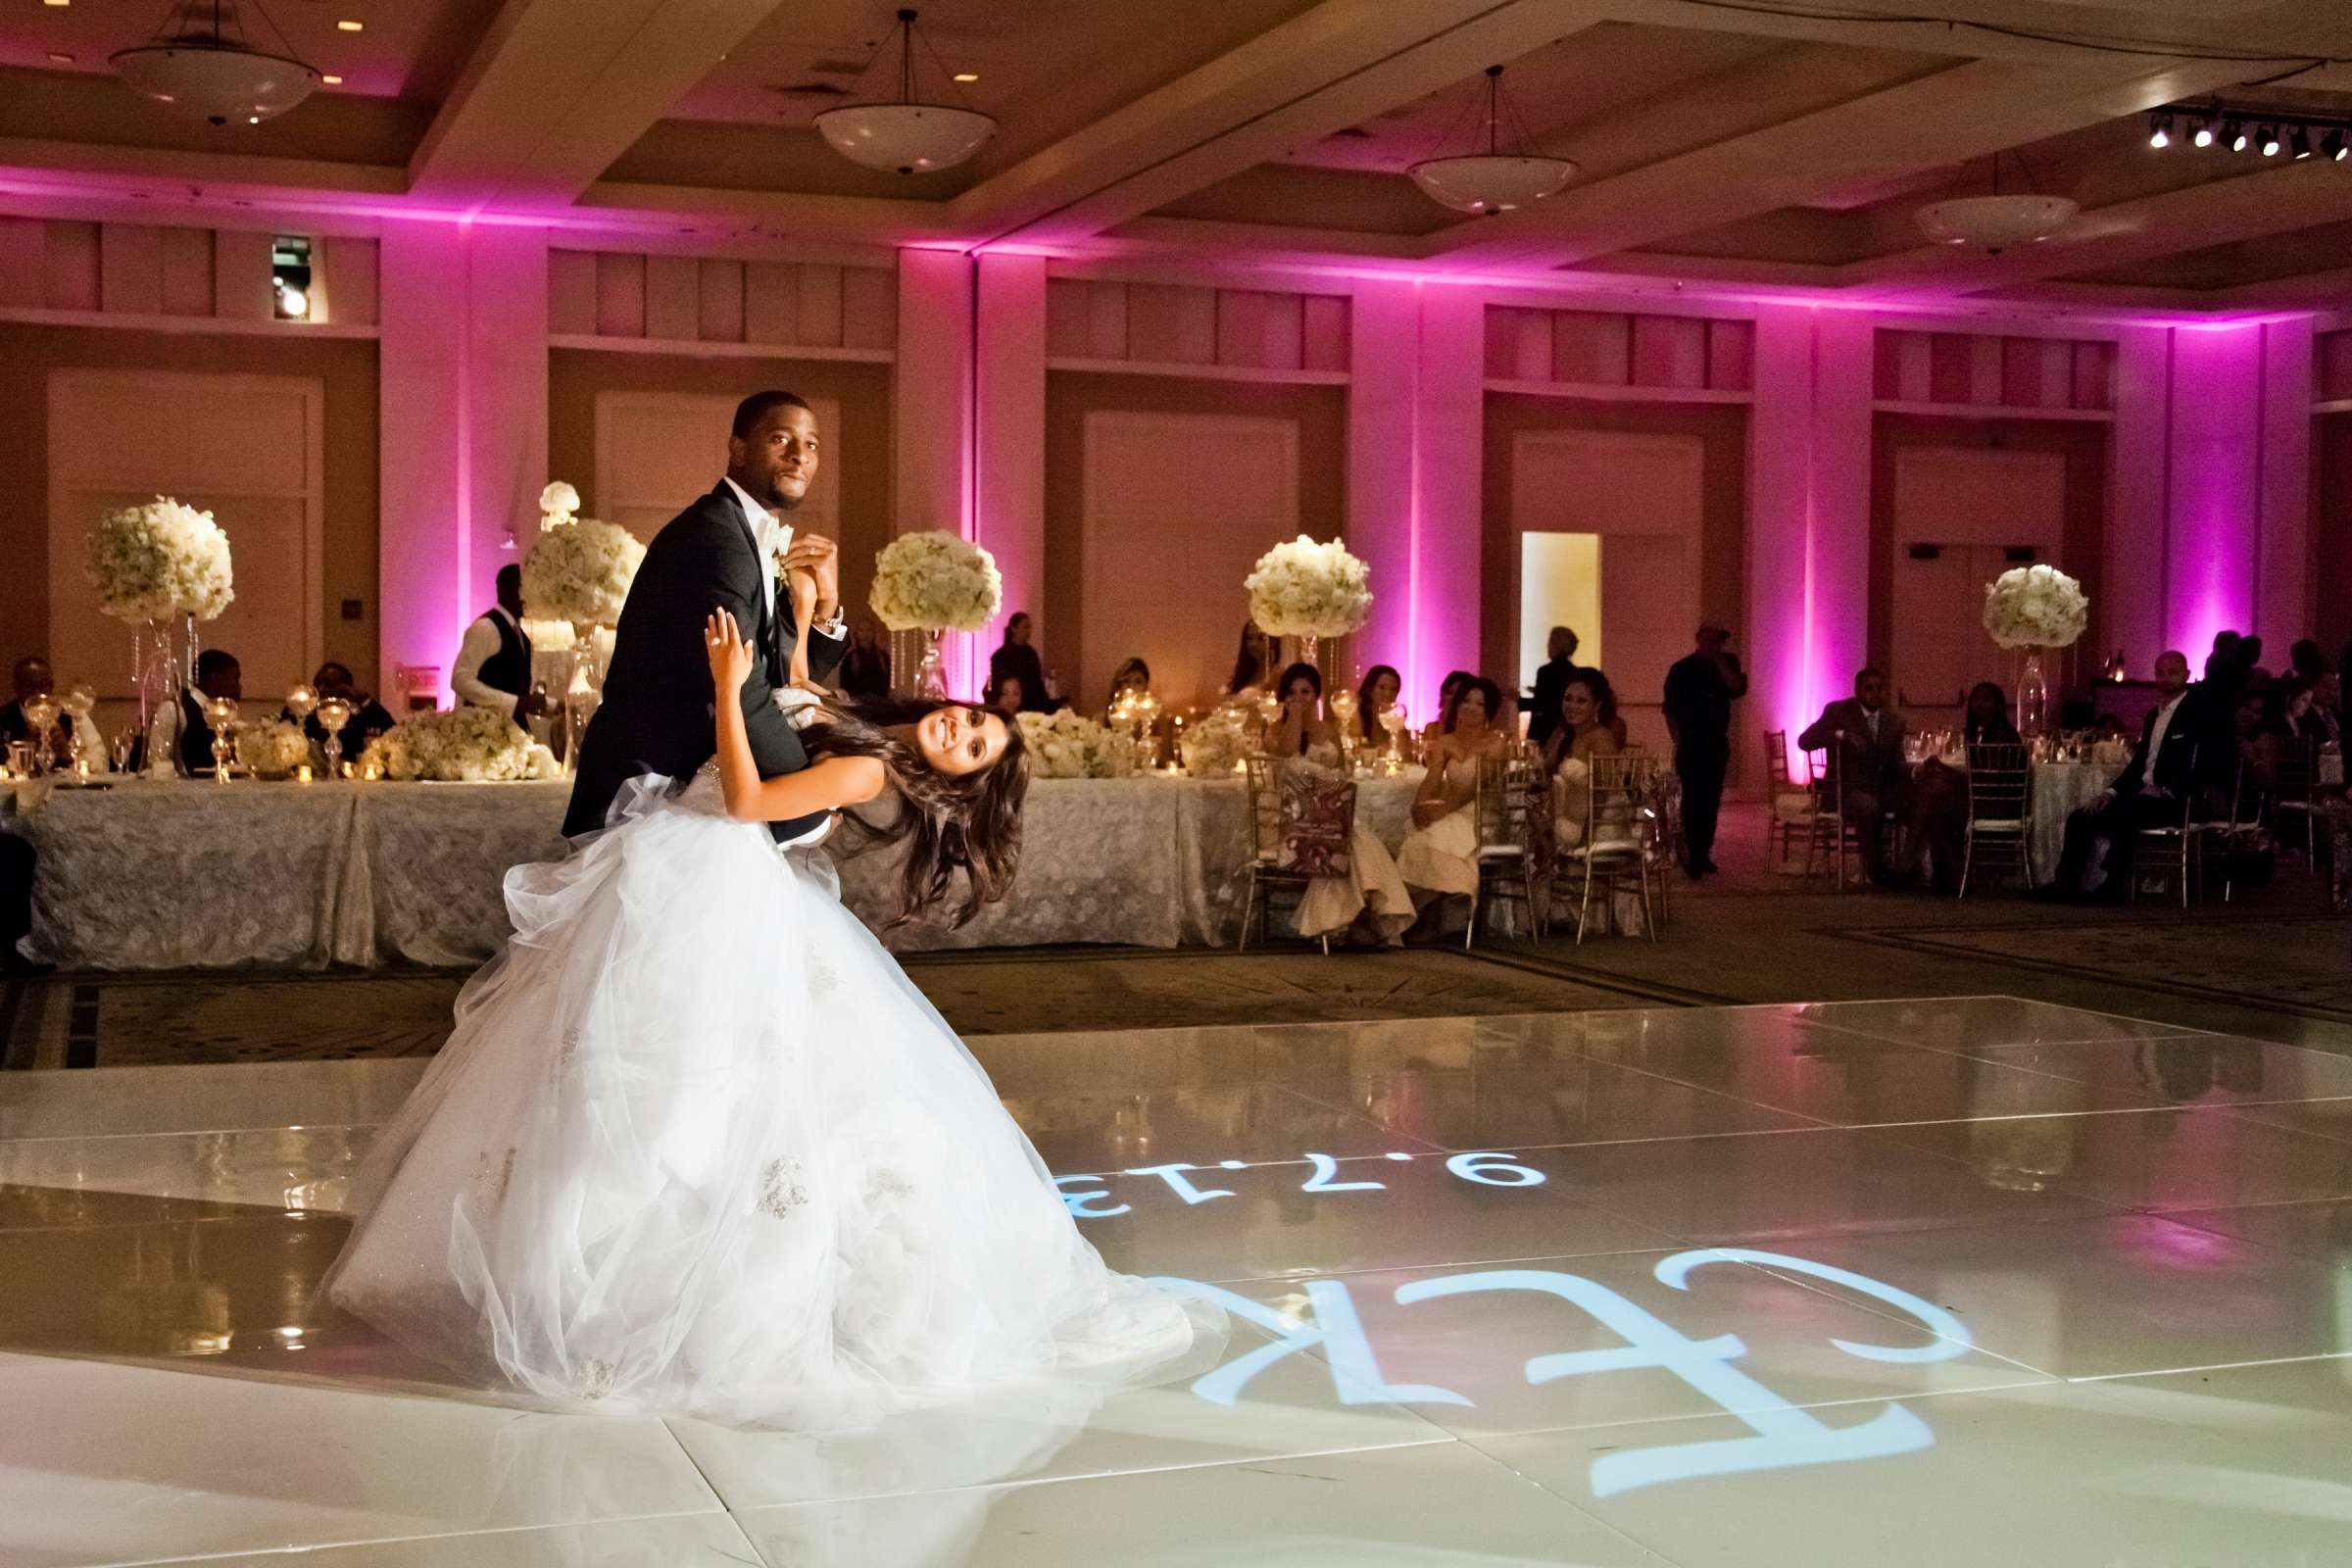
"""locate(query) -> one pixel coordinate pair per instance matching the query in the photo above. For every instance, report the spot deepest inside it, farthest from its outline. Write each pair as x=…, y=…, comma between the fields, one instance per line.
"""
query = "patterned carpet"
x=139, y=1020
x=2288, y=964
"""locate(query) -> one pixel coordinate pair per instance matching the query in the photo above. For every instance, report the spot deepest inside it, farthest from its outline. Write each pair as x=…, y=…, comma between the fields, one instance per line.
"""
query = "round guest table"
x=170, y=874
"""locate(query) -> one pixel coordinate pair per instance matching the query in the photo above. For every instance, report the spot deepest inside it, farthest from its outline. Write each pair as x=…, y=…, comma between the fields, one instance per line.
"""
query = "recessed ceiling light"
x=61, y=59
x=349, y=27
x=332, y=81
x=60, y=4
x=967, y=75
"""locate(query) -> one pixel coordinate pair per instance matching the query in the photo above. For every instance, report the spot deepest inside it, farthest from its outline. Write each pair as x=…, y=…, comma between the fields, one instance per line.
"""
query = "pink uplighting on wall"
x=2214, y=537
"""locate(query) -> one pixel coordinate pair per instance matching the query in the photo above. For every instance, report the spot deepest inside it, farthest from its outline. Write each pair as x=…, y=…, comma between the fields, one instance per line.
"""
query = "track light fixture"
x=2203, y=135
x=2270, y=141
x=2332, y=144
x=2299, y=143
x=2235, y=134
x=2160, y=130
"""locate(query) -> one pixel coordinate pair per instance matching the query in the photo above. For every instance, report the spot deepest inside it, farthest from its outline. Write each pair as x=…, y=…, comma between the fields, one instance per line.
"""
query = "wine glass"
x=302, y=703
x=79, y=701
x=333, y=714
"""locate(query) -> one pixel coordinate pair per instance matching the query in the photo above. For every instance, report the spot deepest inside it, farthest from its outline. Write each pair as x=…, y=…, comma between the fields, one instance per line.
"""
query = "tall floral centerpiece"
x=933, y=583
x=160, y=568
x=2037, y=609
x=578, y=575
x=1309, y=590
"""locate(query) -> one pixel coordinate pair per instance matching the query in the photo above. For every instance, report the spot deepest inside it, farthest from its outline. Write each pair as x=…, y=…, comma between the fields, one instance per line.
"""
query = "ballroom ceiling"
x=1755, y=143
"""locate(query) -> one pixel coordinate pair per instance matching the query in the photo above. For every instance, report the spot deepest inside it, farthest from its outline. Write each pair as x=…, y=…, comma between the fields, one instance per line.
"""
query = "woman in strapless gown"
x=698, y=1146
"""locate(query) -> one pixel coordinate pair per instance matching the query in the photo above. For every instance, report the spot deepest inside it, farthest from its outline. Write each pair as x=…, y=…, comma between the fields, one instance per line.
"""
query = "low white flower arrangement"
x=2035, y=607
x=160, y=560
x=580, y=568
x=935, y=581
x=1306, y=589
x=1216, y=747
x=471, y=744
x=1069, y=745
x=273, y=747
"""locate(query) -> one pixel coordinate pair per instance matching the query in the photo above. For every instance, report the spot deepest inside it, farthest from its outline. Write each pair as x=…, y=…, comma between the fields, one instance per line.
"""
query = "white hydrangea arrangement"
x=273, y=748
x=471, y=744
x=1214, y=747
x=160, y=560
x=2035, y=607
x=1306, y=589
x=580, y=569
x=1069, y=745
x=935, y=581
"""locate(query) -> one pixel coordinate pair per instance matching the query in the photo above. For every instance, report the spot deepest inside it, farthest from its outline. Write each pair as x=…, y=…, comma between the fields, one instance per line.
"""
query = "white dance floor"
x=1943, y=1283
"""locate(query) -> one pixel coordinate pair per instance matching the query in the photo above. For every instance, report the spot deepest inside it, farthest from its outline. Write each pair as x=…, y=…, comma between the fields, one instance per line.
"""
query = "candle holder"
x=40, y=721
x=333, y=714
x=79, y=701
x=222, y=714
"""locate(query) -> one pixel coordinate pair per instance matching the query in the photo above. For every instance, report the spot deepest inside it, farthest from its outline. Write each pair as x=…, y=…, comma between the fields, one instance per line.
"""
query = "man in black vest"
x=724, y=552
x=494, y=662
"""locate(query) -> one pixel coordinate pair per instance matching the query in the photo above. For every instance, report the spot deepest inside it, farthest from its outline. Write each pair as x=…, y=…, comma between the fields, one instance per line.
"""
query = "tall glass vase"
x=1307, y=649
x=2032, y=698
x=930, y=676
x=158, y=669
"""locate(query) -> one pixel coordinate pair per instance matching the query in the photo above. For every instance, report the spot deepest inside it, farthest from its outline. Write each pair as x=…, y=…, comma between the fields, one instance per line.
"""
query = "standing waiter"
x=494, y=662
x=1701, y=689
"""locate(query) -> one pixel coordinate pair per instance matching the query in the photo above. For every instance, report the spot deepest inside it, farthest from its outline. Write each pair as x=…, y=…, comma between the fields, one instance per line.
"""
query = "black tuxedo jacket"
x=657, y=714
x=2191, y=747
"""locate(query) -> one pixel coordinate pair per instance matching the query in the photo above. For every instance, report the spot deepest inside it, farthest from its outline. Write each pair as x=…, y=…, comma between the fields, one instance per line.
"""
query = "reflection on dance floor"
x=2006, y=1281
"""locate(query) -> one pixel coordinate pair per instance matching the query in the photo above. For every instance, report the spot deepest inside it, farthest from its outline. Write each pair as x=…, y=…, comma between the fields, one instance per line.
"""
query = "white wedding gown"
x=698, y=1146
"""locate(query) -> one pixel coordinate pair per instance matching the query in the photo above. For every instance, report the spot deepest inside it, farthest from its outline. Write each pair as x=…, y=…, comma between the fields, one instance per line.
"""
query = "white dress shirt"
x=2164, y=721
x=480, y=642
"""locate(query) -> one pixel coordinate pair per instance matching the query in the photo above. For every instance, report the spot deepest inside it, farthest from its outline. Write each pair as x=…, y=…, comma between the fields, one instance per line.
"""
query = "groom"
x=725, y=552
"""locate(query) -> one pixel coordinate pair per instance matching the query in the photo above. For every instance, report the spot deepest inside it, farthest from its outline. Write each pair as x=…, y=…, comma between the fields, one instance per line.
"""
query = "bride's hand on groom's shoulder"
x=730, y=653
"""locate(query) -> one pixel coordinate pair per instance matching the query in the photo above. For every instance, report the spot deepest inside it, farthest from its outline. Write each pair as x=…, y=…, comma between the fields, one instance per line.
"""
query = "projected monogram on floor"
x=1785, y=1436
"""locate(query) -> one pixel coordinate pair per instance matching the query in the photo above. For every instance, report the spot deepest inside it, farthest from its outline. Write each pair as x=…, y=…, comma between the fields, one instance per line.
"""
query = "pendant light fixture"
x=201, y=63
x=907, y=136
x=1997, y=223
x=1494, y=180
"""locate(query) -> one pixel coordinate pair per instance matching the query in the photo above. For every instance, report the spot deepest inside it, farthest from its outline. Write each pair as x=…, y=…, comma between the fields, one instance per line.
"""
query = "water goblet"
x=220, y=713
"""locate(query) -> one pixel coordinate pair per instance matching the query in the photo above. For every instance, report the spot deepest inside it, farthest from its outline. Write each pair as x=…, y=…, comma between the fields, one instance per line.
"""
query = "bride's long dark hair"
x=949, y=823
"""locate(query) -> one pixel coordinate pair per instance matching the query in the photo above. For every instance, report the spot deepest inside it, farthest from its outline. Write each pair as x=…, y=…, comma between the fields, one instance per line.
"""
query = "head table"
x=168, y=874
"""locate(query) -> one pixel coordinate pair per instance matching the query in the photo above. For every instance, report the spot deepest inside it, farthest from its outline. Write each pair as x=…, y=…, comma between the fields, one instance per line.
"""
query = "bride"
x=699, y=1147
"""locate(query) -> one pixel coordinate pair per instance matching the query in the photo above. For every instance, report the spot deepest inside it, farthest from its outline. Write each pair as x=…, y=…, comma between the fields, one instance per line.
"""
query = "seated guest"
x=31, y=678
x=2260, y=729
x=1015, y=660
x=1381, y=687
x=493, y=667
x=1133, y=676
x=182, y=732
x=2322, y=720
x=1939, y=793
x=1303, y=730
x=1005, y=694
x=2307, y=661
x=1250, y=665
x=1440, y=856
x=865, y=664
x=1588, y=729
x=1449, y=689
x=369, y=718
x=2151, y=792
x=1864, y=739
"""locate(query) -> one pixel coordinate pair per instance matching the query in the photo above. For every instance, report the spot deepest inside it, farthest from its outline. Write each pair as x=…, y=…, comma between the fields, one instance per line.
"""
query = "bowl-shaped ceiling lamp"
x=1994, y=224
x=202, y=63
x=906, y=136
x=1492, y=180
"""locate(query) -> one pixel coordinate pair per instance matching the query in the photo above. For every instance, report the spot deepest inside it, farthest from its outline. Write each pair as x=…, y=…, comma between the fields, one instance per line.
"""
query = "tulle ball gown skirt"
x=698, y=1146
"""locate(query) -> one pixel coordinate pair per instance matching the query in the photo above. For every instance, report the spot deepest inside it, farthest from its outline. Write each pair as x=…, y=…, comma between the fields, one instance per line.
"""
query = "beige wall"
x=347, y=366
x=860, y=450
x=1320, y=414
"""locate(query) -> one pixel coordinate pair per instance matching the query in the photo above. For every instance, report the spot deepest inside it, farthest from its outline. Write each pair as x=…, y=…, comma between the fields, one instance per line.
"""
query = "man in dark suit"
x=2178, y=743
x=725, y=552
x=1700, y=688
x=31, y=678
x=1551, y=683
x=1867, y=775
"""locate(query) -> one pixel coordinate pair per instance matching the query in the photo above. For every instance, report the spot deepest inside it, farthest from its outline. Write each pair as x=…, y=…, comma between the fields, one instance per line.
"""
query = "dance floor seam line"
x=292, y=1553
